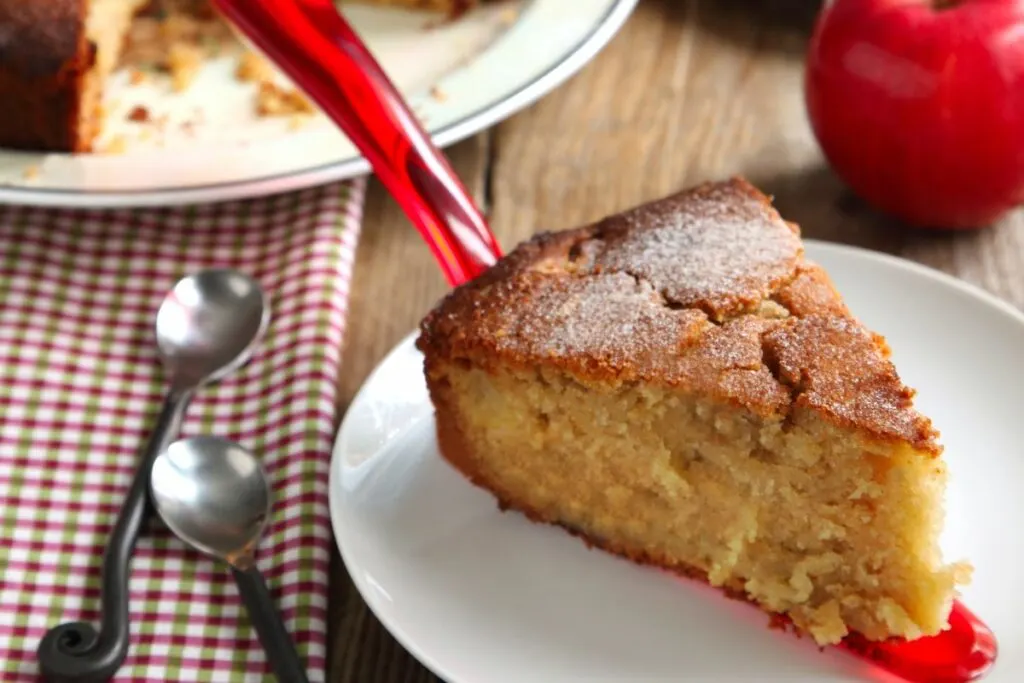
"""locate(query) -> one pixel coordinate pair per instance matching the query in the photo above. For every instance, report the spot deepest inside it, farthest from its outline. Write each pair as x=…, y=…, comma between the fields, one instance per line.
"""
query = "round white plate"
x=481, y=596
x=459, y=77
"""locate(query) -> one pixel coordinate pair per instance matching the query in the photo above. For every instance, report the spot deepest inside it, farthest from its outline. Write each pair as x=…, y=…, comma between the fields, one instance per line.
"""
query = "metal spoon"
x=214, y=495
x=207, y=326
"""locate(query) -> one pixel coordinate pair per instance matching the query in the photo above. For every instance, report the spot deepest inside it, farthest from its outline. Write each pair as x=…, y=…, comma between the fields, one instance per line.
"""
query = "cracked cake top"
x=706, y=290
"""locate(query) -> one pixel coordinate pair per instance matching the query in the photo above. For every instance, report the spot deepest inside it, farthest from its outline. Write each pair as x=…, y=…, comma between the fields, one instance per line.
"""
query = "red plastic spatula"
x=311, y=43
x=314, y=45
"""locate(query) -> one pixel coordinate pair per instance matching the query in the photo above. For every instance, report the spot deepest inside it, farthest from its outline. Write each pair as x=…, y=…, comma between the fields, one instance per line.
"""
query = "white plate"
x=459, y=77
x=481, y=596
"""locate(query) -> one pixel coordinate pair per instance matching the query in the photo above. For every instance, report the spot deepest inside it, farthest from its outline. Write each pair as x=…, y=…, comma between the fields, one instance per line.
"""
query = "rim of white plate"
x=559, y=71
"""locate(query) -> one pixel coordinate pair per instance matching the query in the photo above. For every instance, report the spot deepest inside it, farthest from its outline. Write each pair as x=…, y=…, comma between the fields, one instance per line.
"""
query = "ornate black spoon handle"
x=77, y=652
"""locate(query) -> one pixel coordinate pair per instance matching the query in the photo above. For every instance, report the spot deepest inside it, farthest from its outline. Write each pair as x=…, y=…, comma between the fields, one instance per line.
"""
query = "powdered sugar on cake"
x=716, y=250
x=612, y=317
x=706, y=290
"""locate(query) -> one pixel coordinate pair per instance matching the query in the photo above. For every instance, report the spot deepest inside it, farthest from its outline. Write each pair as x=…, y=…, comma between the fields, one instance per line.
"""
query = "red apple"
x=918, y=105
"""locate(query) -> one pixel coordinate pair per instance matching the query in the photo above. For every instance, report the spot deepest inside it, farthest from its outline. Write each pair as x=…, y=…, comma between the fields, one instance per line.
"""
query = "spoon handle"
x=78, y=652
x=277, y=643
x=314, y=45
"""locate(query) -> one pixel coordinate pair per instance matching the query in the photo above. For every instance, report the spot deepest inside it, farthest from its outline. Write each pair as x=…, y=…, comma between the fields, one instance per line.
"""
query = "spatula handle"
x=314, y=45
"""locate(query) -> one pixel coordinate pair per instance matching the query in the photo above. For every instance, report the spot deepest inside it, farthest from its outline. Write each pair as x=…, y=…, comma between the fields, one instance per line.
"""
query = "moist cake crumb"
x=274, y=100
x=117, y=145
x=184, y=62
x=297, y=121
x=253, y=68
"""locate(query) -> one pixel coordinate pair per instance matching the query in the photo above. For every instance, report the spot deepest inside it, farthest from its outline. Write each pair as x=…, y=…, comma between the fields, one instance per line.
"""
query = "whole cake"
x=55, y=56
x=679, y=385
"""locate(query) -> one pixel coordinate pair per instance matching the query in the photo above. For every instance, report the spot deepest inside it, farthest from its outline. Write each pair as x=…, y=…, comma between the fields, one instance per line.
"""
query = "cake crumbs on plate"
x=178, y=41
x=438, y=94
x=184, y=62
x=273, y=100
x=117, y=145
x=175, y=41
x=297, y=121
x=509, y=16
x=139, y=114
x=253, y=68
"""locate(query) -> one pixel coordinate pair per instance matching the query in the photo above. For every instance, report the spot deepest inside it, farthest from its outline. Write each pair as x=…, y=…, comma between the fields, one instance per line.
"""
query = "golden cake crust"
x=707, y=290
x=39, y=38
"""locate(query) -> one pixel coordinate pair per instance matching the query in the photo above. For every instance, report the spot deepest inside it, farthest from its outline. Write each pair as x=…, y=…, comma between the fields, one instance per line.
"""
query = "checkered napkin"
x=80, y=389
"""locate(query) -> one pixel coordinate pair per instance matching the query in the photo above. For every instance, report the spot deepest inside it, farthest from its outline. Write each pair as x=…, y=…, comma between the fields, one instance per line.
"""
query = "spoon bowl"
x=215, y=496
x=208, y=325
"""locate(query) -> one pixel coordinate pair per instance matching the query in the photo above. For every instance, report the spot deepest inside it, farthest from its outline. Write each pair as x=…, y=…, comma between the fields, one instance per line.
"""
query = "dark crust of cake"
x=708, y=291
x=43, y=61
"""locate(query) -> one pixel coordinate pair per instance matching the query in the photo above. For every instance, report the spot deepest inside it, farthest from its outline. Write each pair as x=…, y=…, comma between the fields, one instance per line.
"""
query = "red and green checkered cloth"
x=80, y=388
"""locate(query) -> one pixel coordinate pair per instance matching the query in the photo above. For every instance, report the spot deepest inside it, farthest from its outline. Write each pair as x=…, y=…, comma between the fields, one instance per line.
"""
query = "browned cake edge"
x=43, y=61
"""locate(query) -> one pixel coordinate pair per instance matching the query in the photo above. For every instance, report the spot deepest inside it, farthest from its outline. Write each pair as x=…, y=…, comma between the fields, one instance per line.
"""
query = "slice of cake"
x=678, y=385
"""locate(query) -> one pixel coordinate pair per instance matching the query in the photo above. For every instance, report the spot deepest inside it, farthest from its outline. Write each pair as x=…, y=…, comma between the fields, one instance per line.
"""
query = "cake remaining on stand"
x=678, y=385
x=56, y=55
x=54, y=58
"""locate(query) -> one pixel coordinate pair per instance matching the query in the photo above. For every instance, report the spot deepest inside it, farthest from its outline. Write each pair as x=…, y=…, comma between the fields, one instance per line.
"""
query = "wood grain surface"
x=690, y=90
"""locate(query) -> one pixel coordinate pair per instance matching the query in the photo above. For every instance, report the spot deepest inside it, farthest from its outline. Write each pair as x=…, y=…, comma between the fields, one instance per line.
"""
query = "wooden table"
x=689, y=90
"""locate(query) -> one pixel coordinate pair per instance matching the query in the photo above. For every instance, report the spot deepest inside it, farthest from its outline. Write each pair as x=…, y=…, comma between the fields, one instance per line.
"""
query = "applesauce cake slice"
x=679, y=385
